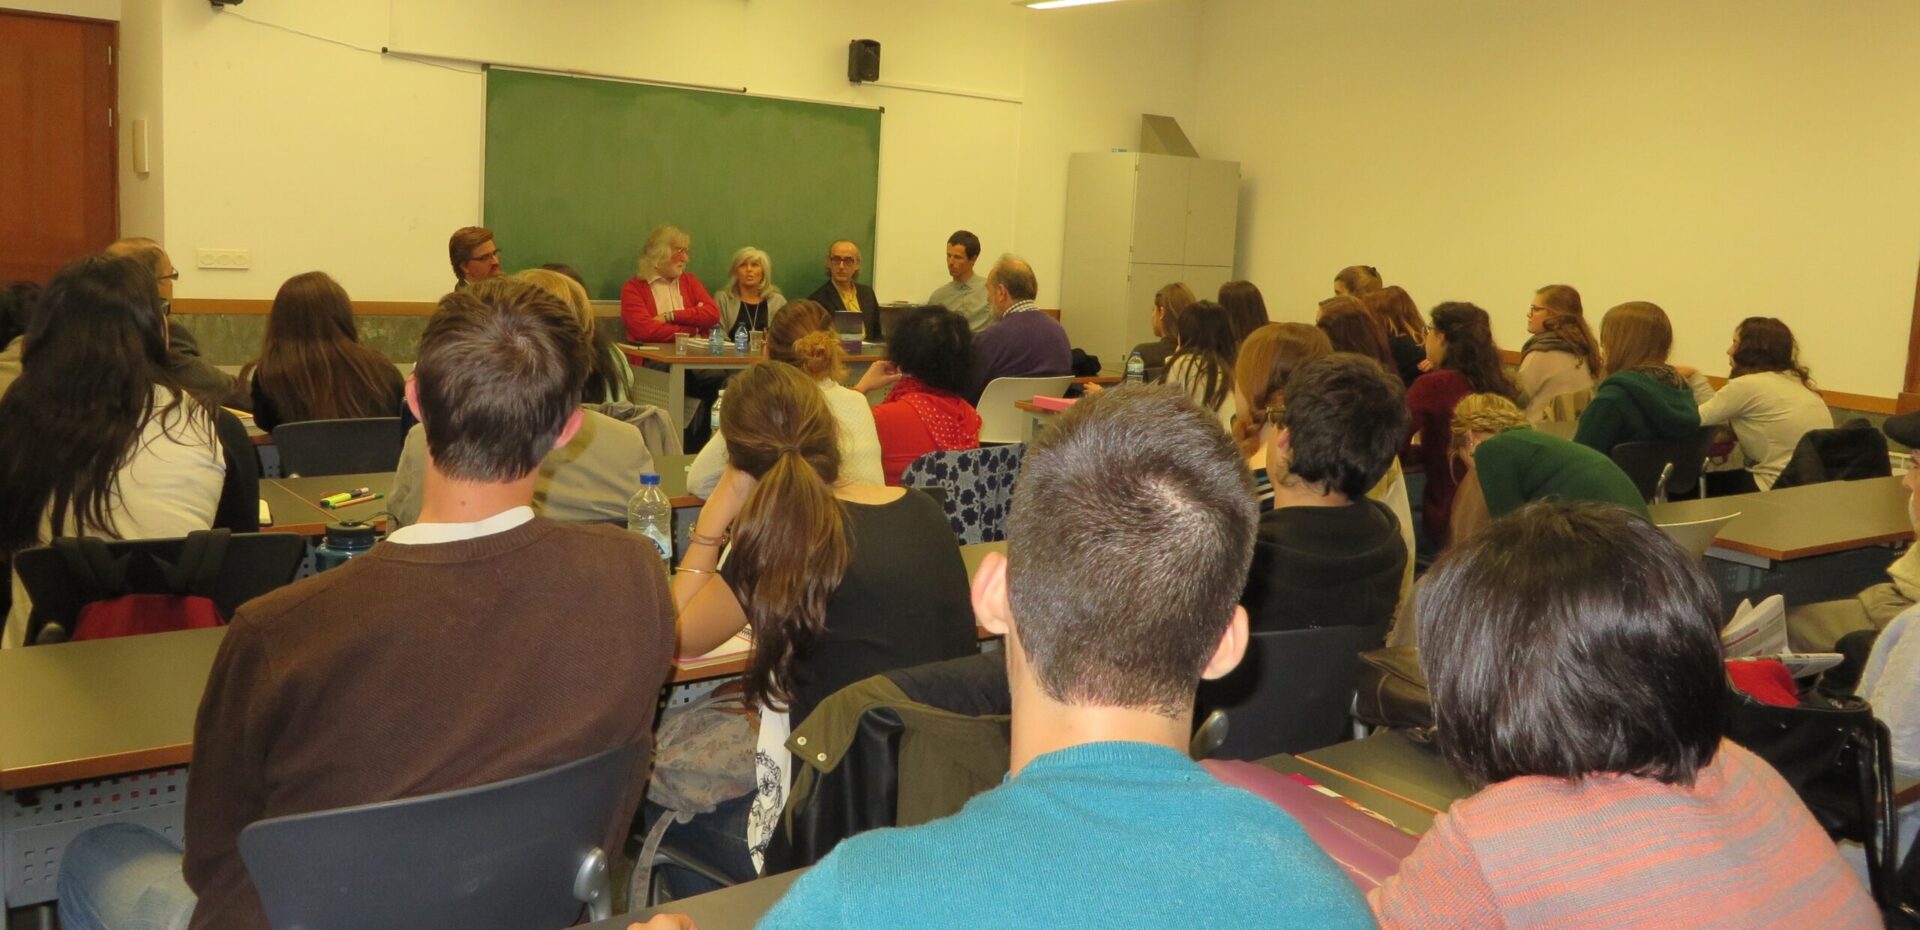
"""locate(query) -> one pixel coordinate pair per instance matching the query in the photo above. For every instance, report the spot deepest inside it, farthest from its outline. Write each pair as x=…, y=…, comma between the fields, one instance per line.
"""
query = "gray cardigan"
x=729, y=301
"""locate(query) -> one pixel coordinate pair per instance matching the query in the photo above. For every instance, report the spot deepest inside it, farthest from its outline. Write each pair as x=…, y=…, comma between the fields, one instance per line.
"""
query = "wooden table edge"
x=1355, y=778
x=112, y=765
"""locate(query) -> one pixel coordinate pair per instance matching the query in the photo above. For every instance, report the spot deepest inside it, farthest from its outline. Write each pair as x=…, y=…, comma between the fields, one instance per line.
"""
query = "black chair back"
x=1293, y=691
x=1845, y=454
x=1646, y=461
x=312, y=448
x=514, y=854
x=253, y=564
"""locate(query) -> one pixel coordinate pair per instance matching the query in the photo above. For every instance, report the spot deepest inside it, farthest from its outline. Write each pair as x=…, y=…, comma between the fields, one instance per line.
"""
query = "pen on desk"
x=354, y=500
x=334, y=499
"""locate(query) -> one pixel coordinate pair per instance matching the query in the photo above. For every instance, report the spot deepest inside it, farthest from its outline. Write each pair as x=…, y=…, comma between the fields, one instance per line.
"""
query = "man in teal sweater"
x=1129, y=539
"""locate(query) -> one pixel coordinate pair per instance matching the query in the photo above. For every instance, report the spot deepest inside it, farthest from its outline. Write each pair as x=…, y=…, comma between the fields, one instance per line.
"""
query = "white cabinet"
x=1135, y=223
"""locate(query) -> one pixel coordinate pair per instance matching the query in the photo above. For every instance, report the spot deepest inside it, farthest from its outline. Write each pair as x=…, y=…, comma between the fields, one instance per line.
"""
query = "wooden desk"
x=1392, y=764
x=1405, y=814
x=116, y=706
x=663, y=356
x=1795, y=523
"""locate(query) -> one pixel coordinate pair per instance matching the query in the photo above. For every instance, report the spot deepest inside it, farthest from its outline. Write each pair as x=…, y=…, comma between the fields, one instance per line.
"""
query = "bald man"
x=1023, y=341
x=184, y=363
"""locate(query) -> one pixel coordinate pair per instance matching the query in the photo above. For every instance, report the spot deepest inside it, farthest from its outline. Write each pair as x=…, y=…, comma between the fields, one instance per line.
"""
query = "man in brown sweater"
x=478, y=644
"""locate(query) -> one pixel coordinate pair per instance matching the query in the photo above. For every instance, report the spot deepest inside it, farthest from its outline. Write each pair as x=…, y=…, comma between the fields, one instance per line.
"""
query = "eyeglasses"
x=843, y=260
x=496, y=253
x=682, y=251
x=1536, y=308
x=170, y=276
x=1275, y=416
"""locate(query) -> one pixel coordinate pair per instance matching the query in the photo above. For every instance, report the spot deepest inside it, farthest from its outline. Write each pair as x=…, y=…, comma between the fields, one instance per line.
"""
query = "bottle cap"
x=649, y=480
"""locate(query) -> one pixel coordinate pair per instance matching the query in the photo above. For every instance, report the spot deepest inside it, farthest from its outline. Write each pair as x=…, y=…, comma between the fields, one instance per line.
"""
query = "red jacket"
x=698, y=314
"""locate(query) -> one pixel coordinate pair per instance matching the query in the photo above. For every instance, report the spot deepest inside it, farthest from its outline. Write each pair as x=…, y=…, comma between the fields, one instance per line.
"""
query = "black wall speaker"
x=863, y=60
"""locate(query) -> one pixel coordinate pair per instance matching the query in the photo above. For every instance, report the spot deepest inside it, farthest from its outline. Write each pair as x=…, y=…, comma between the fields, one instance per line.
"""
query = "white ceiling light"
x=1055, y=4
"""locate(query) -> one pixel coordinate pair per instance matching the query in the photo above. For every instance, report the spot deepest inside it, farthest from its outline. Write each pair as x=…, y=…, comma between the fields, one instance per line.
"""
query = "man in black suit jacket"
x=843, y=268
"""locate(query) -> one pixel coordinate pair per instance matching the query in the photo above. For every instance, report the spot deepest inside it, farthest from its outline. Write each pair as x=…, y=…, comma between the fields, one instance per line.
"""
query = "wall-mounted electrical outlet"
x=225, y=258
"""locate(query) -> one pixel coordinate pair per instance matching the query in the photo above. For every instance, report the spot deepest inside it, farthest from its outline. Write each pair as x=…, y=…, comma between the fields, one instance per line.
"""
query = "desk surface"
x=664, y=354
x=1795, y=523
x=1391, y=763
x=97, y=709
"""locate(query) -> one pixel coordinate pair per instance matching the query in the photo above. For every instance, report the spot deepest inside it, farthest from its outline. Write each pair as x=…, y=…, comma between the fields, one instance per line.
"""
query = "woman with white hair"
x=750, y=298
x=662, y=300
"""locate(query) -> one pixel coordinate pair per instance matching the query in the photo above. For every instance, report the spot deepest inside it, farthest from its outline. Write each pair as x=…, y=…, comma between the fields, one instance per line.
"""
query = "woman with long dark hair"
x=96, y=440
x=1561, y=355
x=1464, y=361
x=312, y=365
x=1203, y=363
x=1168, y=303
x=1769, y=401
x=838, y=579
x=1245, y=308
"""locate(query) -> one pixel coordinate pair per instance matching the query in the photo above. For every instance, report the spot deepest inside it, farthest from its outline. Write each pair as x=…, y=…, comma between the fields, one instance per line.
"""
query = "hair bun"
x=818, y=353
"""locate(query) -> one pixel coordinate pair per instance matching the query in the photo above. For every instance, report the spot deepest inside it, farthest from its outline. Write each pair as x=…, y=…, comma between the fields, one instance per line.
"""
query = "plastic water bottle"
x=740, y=340
x=341, y=543
x=716, y=343
x=713, y=424
x=1136, y=369
x=650, y=515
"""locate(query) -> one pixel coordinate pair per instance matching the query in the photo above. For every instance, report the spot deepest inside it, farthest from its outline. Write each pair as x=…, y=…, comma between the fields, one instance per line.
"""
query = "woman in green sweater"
x=1508, y=465
x=1643, y=397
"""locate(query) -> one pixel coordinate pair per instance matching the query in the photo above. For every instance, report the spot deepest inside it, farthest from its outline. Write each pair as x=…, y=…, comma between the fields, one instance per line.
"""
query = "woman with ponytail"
x=1561, y=355
x=838, y=578
x=801, y=336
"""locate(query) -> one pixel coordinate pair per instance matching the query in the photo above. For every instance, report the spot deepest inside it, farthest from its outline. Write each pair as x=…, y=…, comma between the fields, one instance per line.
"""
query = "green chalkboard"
x=579, y=170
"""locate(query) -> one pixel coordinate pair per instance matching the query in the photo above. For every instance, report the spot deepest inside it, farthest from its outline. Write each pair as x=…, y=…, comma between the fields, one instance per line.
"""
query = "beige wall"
x=87, y=9
x=1723, y=158
x=310, y=153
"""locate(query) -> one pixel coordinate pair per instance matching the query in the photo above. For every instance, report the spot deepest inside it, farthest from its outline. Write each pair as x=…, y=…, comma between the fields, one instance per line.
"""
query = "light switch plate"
x=225, y=258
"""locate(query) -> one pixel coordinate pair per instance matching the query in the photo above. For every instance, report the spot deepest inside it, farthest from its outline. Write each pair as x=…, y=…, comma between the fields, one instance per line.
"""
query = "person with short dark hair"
x=925, y=412
x=1327, y=554
x=966, y=294
x=474, y=257
x=1768, y=400
x=843, y=290
x=1573, y=653
x=466, y=649
x=1128, y=539
x=1023, y=342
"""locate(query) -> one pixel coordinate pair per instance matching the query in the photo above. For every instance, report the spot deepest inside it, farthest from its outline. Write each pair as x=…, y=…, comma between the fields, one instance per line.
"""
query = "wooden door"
x=59, y=189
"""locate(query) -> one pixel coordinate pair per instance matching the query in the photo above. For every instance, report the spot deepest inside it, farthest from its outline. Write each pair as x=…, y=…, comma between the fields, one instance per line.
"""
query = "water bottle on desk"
x=713, y=424
x=1136, y=369
x=740, y=340
x=343, y=542
x=651, y=515
x=716, y=343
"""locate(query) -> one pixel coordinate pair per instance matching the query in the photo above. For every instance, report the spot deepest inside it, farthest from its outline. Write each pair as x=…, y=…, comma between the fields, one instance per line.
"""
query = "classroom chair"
x=1664, y=467
x=1848, y=453
x=513, y=854
x=1567, y=406
x=1000, y=420
x=64, y=577
x=1697, y=536
x=975, y=487
x=1293, y=692
x=312, y=448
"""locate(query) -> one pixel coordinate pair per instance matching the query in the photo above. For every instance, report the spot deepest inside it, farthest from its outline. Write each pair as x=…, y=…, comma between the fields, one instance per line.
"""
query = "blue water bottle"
x=342, y=543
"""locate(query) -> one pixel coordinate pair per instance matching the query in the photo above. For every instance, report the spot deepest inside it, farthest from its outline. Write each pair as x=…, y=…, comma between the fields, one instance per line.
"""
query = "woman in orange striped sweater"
x=1574, y=659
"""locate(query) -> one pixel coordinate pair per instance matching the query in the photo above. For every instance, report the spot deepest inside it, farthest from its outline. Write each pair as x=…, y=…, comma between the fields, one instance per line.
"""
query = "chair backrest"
x=1697, y=536
x=253, y=564
x=519, y=853
x=977, y=485
x=1659, y=467
x=1000, y=420
x=1844, y=454
x=1293, y=691
x=311, y=448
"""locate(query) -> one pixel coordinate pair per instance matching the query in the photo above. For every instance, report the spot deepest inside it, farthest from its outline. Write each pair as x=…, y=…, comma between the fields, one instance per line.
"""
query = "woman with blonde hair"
x=801, y=336
x=750, y=298
x=1406, y=331
x=1168, y=303
x=838, y=578
x=1561, y=355
x=663, y=300
x=609, y=374
x=1643, y=397
x=1508, y=464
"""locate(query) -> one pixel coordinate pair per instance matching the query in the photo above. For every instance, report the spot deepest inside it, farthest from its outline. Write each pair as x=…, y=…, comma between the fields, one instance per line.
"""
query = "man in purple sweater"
x=1023, y=342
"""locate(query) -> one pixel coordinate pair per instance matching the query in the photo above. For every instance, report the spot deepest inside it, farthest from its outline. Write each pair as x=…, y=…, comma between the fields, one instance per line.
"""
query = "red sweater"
x=1736, y=849
x=1431, y=400
x=697, y=315
x=917, y=421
